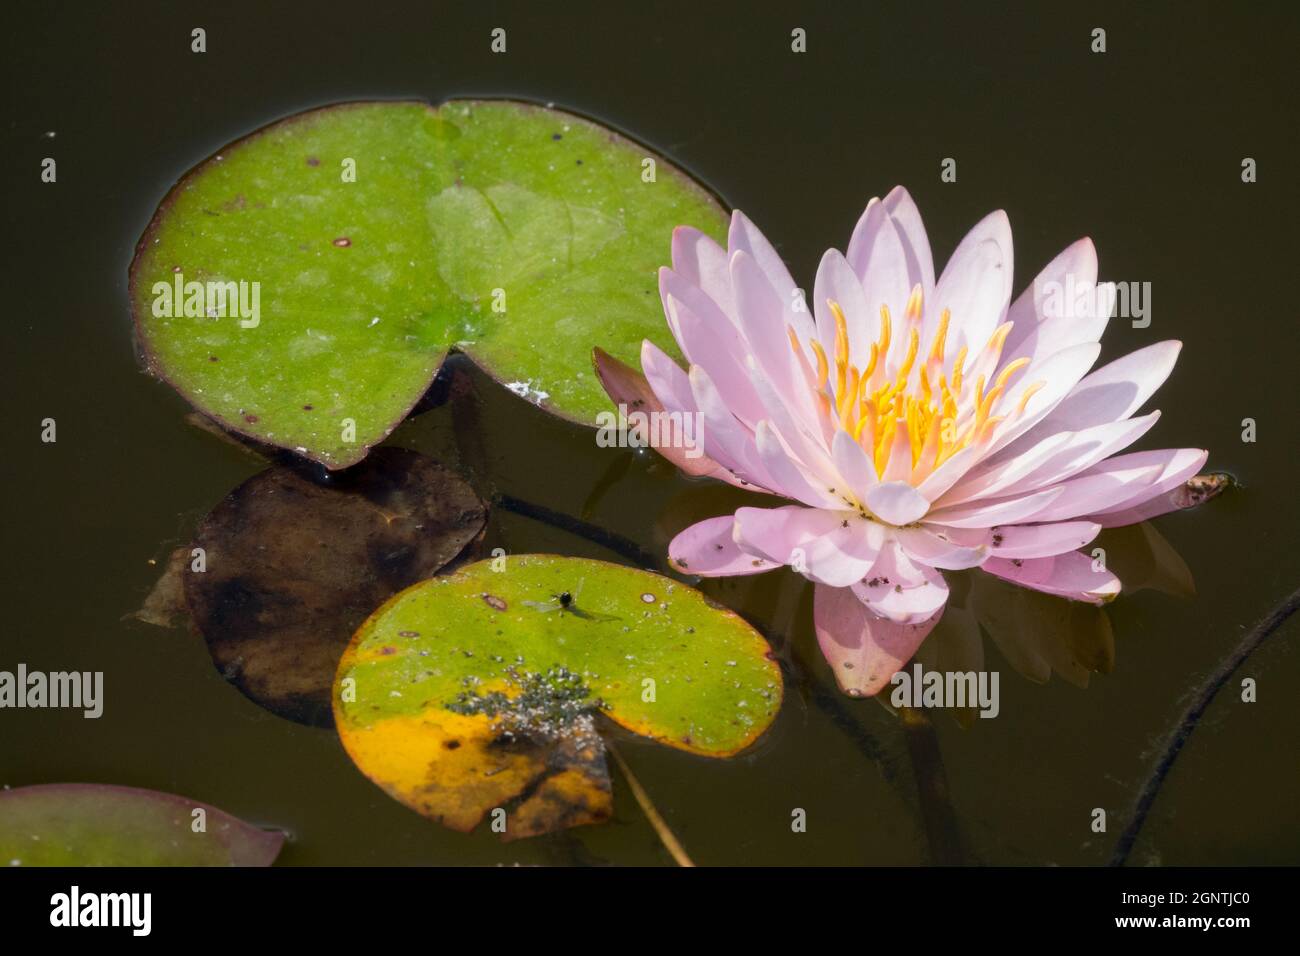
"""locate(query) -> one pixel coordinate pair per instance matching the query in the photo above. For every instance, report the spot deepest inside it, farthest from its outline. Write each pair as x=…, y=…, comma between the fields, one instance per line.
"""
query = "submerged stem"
x=665, y=835
x=620, y=545
x=1191, y=716
x=941, y=829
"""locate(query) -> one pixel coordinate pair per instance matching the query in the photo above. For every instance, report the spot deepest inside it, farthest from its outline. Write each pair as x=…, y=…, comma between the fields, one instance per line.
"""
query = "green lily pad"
x=456, y=212
x=82, y=824
x=478, y=691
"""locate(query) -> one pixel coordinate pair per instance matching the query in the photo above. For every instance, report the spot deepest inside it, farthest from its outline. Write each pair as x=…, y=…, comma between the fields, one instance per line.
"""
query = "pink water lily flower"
x=914, y=425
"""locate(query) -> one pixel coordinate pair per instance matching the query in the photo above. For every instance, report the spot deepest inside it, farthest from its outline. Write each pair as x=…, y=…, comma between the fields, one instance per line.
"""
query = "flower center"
x=927, y=407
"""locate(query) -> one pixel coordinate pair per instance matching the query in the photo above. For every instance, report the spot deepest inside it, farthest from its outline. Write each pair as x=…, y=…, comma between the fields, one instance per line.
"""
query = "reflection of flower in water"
x=922, y=426
x=1039, y=634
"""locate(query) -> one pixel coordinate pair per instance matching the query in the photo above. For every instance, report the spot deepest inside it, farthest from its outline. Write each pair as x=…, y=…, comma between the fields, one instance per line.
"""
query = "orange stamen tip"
x=941, y=336
x=915, y=302
x=1029, y=393
x=1011, y=369
x=885, y=330
x=823, y=367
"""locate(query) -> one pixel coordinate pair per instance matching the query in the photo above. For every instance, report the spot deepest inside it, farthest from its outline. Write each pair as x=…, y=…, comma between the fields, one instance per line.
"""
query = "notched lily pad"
x=293, y=567
x=80, y=824
x=358, y=243
x=480, y=691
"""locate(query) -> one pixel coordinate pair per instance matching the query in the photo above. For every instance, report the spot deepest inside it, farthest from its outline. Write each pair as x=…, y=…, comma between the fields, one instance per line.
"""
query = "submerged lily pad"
x=478, y=691
x=293, y=567
x=83, y=824
x=380, y=235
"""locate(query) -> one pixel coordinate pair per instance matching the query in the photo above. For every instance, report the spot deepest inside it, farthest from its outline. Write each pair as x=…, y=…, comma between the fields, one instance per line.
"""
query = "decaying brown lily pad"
x=293, y=566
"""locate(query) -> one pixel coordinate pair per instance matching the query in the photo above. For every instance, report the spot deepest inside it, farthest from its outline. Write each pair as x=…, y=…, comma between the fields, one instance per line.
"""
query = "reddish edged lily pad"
x=82, y=824
x=376, y=237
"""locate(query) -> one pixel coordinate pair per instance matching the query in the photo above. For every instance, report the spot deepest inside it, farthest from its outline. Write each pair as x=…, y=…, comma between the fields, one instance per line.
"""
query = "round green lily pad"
x=81, y=824
x=477, y=690
x=303, y=285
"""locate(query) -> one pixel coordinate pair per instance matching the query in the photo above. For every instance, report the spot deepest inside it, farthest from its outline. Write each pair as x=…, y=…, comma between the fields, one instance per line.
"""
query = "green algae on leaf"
x=293, y=566
x=374, y=237
x=82, y=824
x=479, y=690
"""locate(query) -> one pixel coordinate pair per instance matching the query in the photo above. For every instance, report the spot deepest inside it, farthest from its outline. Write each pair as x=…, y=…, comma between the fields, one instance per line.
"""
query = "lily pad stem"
x=624, y=547
x=1191, y=716
x=665, y=835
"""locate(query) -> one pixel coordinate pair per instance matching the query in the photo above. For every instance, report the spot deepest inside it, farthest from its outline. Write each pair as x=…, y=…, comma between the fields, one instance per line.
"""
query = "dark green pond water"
x=1140, y=148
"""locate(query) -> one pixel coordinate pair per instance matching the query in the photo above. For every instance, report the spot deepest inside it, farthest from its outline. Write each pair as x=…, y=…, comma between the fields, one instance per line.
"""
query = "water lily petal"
x=1059, y=373
x=763, y=320
x=975, y=285
x=1070, y=575
x=667, y=380
x=1062, y=307
x=1189, y=494
x=916, y=245
x=1089, y=493
x=705, y=344
x=802, y=437
x=1000, y=479
x=702, y=262
x=987, y=514
x=1042, y=540
x=898, y=588
x=1052, y=460
x=709, y=550
x=837, y=282
x=703, y=305
x=629, y=388
x=726, y=440
x=854, y=467
x=950, y=472
x=788, y=478
x=1177, y=465
x=1122, y=482
x=896, y=502
x=951, y=549
x=863, y=649
x=1110, y=394
x=876, y=256
x=829, y=547
x=744, y=236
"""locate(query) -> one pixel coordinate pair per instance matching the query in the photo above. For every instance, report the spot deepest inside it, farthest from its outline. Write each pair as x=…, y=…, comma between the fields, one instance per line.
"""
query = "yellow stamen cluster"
x=929, y=404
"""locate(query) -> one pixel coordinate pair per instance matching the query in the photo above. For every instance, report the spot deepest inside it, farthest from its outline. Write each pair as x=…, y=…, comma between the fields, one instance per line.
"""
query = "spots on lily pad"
x=519, y=691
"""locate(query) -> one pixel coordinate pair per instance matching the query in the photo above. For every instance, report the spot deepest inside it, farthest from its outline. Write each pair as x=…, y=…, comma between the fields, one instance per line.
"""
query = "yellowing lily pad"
x=77, y=824
x=303, y=286
x=480, y=691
